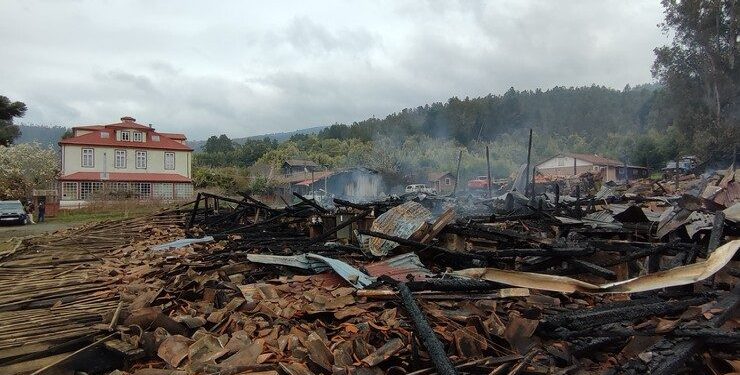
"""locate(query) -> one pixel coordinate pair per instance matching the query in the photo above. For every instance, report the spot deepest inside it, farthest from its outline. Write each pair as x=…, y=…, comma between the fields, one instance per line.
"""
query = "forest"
x=693, y=107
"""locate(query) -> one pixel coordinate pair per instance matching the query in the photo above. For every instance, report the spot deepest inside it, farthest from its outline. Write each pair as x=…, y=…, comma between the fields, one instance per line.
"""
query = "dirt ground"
x=8, y=231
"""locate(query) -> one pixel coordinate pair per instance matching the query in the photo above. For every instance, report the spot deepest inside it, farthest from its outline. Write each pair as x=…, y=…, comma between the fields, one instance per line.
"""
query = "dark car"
x=12, y=212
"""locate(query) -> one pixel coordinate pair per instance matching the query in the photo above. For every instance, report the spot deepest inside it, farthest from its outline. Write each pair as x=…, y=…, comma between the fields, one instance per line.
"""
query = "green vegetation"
x=108, y=210
x=25, y=167
x=8, y=110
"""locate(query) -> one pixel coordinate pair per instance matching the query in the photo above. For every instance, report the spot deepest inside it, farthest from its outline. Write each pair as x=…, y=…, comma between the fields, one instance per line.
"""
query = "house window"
x=169, y=160
x=88, y=189
x=125, y=135
x=448, y=181
x=183, y=191
x=142, y=189
x=88, y=158
x=163, y=191
x=119, y=186
x=561, y=162
x=155, y=138
x=138, y=137
x=69, y=191
x=120, y=159
x=140, y=159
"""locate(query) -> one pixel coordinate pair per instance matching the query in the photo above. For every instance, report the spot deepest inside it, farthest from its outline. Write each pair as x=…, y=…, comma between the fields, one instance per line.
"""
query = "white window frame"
x=70, y=191
x=125, y=135
x=87, y=158
x=119, y=153
x=138, y=137
x=448, y=181
x=139, y=154
x=169, y=166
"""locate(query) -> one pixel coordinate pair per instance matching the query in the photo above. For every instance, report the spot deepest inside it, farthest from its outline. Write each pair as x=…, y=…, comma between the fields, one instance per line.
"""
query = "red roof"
x=594, y=159
x=126, y=177
x=175, y=136
x=94, y=138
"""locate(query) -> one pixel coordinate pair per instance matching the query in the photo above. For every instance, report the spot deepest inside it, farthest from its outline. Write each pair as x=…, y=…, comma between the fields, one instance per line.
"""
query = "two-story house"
x=125, y=157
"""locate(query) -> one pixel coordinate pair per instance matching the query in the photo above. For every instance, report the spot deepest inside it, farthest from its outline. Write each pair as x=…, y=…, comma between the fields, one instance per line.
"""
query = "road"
x=8, y=231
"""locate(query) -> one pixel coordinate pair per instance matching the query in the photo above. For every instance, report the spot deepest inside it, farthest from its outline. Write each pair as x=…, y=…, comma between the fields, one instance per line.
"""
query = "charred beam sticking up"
x=457, y=175
x=435, y=348
x=488, y=164
x=529, y=159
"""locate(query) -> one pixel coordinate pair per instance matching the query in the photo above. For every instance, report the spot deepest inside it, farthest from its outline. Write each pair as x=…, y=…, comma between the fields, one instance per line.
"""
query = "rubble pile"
x=612, y=282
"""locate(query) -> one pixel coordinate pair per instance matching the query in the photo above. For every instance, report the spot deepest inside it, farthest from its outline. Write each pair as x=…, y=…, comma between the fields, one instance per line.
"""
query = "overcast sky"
x=246, y=68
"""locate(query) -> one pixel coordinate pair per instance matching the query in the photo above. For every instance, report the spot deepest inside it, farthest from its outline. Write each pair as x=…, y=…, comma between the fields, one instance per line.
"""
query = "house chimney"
x=127, y=119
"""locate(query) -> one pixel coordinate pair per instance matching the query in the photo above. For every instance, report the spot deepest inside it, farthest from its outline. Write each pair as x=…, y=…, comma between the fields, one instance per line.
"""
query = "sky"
x=246, y=68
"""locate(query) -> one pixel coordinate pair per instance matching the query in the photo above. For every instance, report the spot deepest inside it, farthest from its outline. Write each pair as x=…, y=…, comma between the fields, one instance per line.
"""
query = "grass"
x=99, y=211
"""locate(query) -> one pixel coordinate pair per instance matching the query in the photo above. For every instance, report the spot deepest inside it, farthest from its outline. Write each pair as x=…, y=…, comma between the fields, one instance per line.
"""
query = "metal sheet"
x=181, y=243
x=401, y=221
x=298, y=261
x=399, y=267
x=317, y=263
x=682, y=275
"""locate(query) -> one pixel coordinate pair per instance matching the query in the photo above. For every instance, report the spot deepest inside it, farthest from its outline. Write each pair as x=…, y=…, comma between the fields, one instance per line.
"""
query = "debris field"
x=626, y=280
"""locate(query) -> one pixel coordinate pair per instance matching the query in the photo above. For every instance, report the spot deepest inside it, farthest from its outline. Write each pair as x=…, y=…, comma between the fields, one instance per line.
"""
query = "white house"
x=125, y=157
x=569, y=164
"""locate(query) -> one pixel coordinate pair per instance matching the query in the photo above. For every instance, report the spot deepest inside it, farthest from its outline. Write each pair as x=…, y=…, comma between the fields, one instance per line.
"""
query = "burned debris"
x=608, y=282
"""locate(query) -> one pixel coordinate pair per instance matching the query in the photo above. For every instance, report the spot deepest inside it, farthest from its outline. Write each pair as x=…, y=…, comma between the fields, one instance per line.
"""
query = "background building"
x=569, y=165
x=125, y=159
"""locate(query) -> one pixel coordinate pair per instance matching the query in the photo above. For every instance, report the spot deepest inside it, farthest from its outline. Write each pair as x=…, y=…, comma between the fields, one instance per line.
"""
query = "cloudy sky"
x=246, y=68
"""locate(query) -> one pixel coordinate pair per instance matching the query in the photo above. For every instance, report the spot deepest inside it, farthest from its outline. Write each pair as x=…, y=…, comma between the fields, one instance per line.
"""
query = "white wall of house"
x=104, y=160
x=562, y=161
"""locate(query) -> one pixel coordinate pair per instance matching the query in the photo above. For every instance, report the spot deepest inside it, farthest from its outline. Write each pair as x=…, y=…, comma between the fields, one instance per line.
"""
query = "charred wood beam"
x=191, y=222
x=617, y=312
x=263, y=224
x=342, y=202
x=718, y=227
x=670, y=354
x=504, y=235
x=434, y=346
x=339, y=227
x=592, y=269
x=453, y=285
x=620, y=330
x=258, y=203
x=467, y=259
x=557, y=252
x=311, y=203
x=585, y=345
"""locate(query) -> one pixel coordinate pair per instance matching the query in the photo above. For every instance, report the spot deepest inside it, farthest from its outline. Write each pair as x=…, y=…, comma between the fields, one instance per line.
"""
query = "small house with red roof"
x=127, y=158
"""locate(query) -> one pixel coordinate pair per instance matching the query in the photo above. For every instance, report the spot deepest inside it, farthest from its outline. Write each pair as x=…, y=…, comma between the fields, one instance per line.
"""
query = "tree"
x=221, y=143
x=26, y=167
x=9, y=110
x=700, y=70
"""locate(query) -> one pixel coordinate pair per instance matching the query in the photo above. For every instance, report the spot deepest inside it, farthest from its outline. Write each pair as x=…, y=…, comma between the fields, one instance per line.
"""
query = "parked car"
x=12, y=212
x=420, y=188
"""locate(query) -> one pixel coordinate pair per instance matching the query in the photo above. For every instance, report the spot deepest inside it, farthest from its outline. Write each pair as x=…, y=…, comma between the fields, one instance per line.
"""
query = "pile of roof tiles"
x=611, y=282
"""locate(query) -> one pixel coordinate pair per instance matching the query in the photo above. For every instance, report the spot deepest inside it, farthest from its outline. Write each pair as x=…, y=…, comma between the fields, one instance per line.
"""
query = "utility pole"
x=457, y=177
x=488, y=162
x=529, y=156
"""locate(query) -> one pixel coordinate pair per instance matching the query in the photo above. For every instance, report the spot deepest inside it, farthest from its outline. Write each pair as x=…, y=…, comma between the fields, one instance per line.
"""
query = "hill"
x=280, y=137
x=45, y=135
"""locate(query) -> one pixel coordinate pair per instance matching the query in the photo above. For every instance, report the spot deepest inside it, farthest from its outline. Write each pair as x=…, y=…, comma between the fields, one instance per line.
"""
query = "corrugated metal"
x=399, y=267
x=400, y=221
x=317, y=263
x=181, y=243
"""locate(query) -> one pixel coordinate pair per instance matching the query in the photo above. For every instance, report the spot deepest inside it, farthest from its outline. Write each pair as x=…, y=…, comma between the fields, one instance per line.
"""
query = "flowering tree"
x=25, y=167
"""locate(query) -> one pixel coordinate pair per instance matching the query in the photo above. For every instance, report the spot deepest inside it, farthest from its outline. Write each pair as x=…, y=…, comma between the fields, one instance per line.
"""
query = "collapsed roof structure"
x=619, y=281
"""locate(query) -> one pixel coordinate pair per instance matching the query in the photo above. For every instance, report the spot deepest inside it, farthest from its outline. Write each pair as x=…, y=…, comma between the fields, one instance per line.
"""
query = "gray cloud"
x=245, y=69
